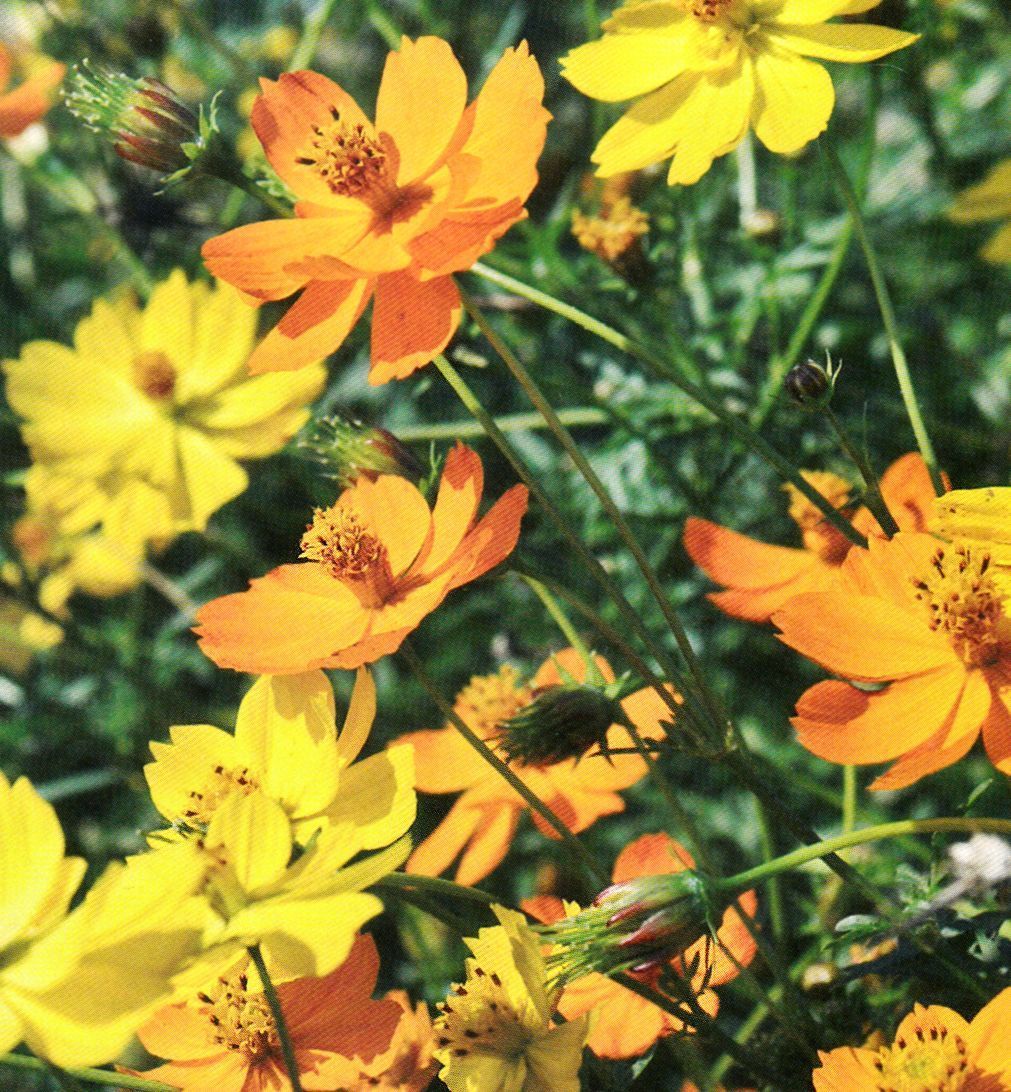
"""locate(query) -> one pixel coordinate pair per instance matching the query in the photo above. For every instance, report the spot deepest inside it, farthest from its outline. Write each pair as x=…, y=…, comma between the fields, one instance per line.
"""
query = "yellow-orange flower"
x=224, y=1037
x=623, y=1024
x=989, y=200
x=29, y=102
x=934, y=1048
x=388, y=210
x=377, y=562
x=928, y=619
x=981, y=518
x=483, y=820
x=760, y=578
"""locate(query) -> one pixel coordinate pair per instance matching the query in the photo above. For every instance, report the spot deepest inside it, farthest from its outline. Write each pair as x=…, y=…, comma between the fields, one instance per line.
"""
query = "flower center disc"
x=481, y=1019
x=203, y=803
x=347, y=157
x=154, y=375
x=242, y=1020
x=933, y=1061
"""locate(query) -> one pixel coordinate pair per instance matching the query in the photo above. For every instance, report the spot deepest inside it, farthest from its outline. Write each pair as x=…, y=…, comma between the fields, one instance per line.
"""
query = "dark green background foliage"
x=930, y=120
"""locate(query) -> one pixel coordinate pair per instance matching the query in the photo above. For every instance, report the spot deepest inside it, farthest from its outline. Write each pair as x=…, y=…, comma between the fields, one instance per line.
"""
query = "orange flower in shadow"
x=377, y=561
x=483, y=820
x=626, y=1025
x=29, y=102
x=226, y=1038
x=926, y=618
x=760, y=578
x=388, y=210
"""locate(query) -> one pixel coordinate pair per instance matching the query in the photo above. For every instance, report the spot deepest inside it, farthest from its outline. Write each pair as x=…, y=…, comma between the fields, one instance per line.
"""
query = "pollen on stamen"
x=708, y=11
x=346, y=157
x=242, y=1020
x=485, y=1022
x=338, y=539
x=222, y=783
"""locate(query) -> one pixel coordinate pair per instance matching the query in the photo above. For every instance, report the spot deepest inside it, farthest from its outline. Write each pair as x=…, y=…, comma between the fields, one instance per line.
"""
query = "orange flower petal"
x=569, y=661
x=987, y=1034
x=625, y=1025
x=735, y=938
x=438, y=851
x=460, y=489
x=736, y=561
x=544, y=908
x=909, y=492
x=651, y=855
x=444, y=761
x=839, y=723
x=396, y=512
x=489, y=846
x=263, y=259
x=224, y=1072
x=283, y=624
x=179, y=1032
x=860, y=637
x=457, y=241
x=412, y=322
x=422, y=97
x=6, y=62
x=886, y=568
x=494, y=537
x=933, y=755
x=283, y=118
x=759, y=605
x=29, y=102
x=997, y=733
x=314, y=326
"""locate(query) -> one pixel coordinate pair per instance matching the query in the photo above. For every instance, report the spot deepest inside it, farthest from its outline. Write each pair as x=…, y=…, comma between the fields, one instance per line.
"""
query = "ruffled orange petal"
x=569, y=661
x=860, y=637
x=263, y=259
x=283, y=118
x=179, y=1032
x=760, y=604
x=997, y=733
x=29, y=102
x=489, y=846
x=224, y=1072
x=421, y=101
x=294, y=619
x=412, y=322
x=460, y=489
x=444, y=761
x=908, y=492
x=494, y=538
x=987, y=1034
x=846, y=1069
x=736, y=561
x=736, y=944
x=887, y=567
x=441, y=848
x=595, y=774
x=625, y=1025
x=839, y=723
x=544, y=908
x=651, y=855
x=314, y=326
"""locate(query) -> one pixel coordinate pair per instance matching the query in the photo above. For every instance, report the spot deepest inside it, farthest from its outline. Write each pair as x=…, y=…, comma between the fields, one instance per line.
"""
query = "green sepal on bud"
x=148, y=123
x=635, y=926
x=811, y=385
x=563, y=722
x=344, y=449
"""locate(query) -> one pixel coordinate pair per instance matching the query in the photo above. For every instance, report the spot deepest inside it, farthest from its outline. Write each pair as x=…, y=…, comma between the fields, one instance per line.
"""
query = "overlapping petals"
x=707, y=72
x=386, y=210
x=379, y=561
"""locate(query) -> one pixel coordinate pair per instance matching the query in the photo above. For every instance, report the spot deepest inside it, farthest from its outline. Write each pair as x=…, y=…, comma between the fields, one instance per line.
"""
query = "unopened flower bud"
x=810, y=384
x=345, y=449
x=639, y=923
x=562, y=722
x=148, y=123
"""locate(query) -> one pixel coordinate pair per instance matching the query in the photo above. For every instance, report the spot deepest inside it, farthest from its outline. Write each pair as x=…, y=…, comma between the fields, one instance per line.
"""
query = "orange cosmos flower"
x=934, y=1048
x=926, y=618
x=483, y=819
x=376, y=562
x=29, y=102
x=389, y=209
x=225, y=1038
x=760, y=578
x=624, y=1024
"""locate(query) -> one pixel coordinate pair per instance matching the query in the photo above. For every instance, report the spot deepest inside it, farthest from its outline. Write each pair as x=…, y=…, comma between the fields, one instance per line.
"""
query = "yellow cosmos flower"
x=159, y=410
x=304, y=914
x=989, y=200
x=286, y=745
x=710, y=69
x=496, y=1030
x=981, y=518
x=75, y=988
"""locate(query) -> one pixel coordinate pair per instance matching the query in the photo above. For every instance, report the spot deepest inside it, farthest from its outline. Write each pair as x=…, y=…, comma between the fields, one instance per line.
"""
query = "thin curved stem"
x=91, y=1076
x=509, y=422
x=434, y=885
x=569, y=631
x=502, y=768
x=873, y=497
x=274, y=1004
x=737, y=426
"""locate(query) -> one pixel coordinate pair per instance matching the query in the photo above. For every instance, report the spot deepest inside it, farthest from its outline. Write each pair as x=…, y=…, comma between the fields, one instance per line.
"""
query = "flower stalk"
x=274, y=1004
x=103, y=1077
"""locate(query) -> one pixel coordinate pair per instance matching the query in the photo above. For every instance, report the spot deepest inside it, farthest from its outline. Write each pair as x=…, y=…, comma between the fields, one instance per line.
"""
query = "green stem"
x=383, y=24
x=777, y=918
x=569, y=631
x=305, y=49
x=600, y=574
x=519, y=372
x=899, y=361
x=532, y=800
x=738, y=427
x=91, y=1076
x=877, y=833
x=233, y=174
x=274, y=1004
x=510, y=422
x=751, y=1024
x=873, y=497
x=403, y=881
x=849, y=801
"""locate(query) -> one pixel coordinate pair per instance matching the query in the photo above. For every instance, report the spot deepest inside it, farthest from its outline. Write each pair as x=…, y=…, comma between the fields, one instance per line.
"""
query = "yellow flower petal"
x=624, y=66
x=12, y=1029
x=256, y=836
x=208, y=479
x=167, y=323
x=186, y=765
x=793, y=100
x=223, y=338
x=850, y=42
x=807, y=12
x=987, y=200
x=359, y=717
x=648, y=15
x=377, y=797
x=553, y=1062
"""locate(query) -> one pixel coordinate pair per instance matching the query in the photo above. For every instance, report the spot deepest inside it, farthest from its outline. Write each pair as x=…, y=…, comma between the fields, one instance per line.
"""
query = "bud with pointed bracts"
x=811, y=385
x=344, y=448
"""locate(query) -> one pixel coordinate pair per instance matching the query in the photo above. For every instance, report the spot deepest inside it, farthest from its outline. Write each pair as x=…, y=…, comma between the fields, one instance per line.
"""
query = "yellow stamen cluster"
x=613, y=231
x=242, y=1020
x=347, y=157
x=220, y=785
x=964, y=603
x=155, y=375
x=488, y=700
x=708, y=11
x=32, y=539
x=819, y=535
x=933, y=1060
x=480, y=1019
x=338, y=539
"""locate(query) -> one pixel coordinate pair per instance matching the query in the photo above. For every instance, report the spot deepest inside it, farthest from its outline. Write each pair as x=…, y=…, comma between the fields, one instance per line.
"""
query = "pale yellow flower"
x=989, y=200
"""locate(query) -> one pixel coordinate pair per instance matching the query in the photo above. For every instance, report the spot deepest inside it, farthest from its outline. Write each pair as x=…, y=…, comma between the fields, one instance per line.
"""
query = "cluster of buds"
x=562, y=722
x=148, y=123
x=811, y=385
x=635, y=926
x=344, y=449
